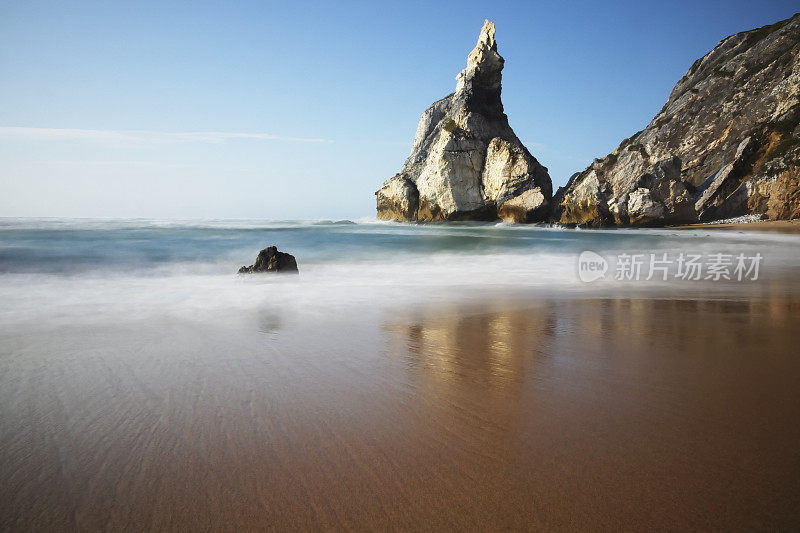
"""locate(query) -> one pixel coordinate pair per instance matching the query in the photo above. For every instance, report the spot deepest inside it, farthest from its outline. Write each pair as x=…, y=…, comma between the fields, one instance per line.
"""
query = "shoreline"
x=408, y=378
x=770, y=226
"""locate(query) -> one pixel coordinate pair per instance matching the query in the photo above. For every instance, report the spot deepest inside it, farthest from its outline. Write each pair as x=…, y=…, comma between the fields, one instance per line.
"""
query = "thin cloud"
x=73, y=134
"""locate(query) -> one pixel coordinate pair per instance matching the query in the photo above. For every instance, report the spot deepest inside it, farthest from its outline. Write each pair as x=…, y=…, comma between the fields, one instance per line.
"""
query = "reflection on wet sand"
x=630, y=412
x=633, y=413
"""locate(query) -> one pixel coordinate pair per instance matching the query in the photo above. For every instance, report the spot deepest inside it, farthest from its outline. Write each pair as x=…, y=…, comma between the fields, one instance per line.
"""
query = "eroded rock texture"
x=466, y=162
x=727, y=143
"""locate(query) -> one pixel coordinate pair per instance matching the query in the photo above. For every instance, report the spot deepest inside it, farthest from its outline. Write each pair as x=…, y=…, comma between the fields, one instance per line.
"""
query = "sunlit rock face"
x=727, y=143
x=466, y=162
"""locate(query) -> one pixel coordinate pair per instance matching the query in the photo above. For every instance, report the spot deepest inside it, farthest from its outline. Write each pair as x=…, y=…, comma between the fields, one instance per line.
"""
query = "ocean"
x=53, y=269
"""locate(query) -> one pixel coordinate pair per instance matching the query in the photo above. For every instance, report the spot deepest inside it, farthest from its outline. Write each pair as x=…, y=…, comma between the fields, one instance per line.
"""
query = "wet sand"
x=557, y=414
x=770, y=226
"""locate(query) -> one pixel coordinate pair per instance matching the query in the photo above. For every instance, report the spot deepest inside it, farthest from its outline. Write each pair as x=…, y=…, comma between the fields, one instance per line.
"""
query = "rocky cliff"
x=727, y=143
x=466, y=162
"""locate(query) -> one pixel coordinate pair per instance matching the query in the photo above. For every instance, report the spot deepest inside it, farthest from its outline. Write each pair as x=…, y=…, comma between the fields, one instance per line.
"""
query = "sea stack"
x=466, y=162
x=726, y=143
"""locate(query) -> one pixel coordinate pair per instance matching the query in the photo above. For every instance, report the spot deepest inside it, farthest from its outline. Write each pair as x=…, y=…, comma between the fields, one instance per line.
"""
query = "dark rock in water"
x=726, y=144
x=342, y=222
x=271, y=260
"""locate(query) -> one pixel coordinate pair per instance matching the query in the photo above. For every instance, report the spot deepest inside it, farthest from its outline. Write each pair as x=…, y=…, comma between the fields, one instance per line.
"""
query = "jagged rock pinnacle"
x=466, y=162
x=483, y=62
x=480, y=82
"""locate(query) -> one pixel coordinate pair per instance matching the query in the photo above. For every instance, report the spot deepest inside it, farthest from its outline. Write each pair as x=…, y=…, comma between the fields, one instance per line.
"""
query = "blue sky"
x=301, y=109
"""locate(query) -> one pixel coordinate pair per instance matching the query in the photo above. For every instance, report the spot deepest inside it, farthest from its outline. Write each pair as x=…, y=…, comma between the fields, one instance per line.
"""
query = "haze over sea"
x=153, y=265
x=142, y=381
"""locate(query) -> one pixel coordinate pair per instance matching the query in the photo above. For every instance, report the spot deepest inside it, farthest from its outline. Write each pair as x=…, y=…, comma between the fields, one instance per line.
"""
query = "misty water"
x=455, y=375
x=103, y=270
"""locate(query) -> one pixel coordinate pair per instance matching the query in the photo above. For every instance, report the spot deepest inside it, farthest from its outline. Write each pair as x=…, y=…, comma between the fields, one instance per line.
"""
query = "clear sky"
x=301, y=109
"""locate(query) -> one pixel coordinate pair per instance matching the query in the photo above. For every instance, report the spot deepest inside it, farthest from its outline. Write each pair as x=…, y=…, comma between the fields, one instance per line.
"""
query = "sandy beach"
x=563, y=414
x=770, y=226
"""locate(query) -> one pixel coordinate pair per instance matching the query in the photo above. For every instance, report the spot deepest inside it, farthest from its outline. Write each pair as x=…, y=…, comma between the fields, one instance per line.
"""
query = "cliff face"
x=466, y=162
x=727, y=143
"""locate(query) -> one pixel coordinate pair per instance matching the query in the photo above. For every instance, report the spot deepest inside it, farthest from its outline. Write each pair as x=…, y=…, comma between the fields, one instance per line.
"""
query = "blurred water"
x=69, y=246
x=55, y=270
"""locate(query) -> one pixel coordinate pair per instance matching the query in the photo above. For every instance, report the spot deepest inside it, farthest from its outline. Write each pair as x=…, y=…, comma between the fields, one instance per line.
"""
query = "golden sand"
x=589, y=414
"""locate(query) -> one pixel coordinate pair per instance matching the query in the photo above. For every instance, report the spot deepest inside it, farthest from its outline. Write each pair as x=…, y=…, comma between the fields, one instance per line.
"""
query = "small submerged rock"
x=271, y=260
